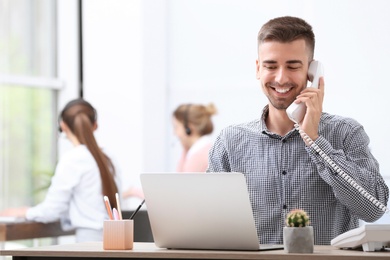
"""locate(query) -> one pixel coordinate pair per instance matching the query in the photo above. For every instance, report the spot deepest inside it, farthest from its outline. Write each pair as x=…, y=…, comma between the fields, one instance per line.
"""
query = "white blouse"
x=75, y=194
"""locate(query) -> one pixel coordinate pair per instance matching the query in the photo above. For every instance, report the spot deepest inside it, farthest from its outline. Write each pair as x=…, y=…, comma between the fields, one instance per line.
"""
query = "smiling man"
x=282, y=171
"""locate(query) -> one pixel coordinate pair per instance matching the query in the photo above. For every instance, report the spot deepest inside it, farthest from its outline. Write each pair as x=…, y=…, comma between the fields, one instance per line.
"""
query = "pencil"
x=135, y=212
x=115, y=213
x=108, y=207
x=118, y=205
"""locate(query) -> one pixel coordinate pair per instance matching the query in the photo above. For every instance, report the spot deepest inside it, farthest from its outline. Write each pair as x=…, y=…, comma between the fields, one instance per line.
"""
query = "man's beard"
x=280, y=104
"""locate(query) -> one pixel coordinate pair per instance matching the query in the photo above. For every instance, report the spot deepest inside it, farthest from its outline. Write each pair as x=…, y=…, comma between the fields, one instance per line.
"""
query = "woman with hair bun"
x=193, y=126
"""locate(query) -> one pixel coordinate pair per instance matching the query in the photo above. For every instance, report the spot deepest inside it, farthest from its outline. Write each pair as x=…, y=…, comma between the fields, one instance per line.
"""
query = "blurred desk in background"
x=21, y=230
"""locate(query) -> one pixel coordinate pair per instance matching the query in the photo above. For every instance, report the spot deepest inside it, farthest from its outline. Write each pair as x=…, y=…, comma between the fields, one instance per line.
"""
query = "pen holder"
x=118, y=234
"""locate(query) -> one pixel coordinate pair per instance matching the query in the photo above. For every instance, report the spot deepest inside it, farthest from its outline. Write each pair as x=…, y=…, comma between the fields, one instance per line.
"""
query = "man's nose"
x=281, y=76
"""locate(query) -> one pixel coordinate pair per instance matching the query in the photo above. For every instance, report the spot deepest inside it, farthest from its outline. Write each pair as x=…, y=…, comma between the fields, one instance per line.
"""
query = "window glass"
x=27, y=112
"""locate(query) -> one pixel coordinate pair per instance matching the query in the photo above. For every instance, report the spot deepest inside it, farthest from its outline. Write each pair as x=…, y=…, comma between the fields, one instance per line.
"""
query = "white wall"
x=113, y=66
x=143, y=58
x=67, y=61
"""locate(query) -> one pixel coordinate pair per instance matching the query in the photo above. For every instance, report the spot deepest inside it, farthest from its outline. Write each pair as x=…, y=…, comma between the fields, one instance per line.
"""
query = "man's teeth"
x=282, y=90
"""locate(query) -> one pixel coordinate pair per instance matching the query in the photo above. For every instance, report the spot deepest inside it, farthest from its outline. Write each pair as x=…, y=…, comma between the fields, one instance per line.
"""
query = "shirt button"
x=284, y=140
x=284, y=206
x=284, y=172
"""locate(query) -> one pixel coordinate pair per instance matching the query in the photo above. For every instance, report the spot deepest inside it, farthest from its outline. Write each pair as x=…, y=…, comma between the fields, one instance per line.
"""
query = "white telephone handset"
x=296, y=112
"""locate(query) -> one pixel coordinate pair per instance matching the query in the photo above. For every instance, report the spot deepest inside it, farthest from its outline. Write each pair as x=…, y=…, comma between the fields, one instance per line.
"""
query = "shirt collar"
x=265, y=130
x=263, y=126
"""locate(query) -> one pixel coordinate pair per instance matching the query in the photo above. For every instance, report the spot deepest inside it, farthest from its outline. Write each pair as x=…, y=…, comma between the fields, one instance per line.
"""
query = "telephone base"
x=375, y=246
x=371, y=237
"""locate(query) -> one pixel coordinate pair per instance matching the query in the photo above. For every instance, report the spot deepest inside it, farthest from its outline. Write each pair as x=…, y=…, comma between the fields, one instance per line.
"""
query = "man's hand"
x=313, y=98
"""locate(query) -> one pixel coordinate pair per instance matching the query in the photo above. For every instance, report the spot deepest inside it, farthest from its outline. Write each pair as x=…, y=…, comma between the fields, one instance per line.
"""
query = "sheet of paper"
x=11, y=219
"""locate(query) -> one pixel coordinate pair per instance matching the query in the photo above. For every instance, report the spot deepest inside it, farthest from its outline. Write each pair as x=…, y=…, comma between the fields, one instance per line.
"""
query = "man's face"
x=282, y=71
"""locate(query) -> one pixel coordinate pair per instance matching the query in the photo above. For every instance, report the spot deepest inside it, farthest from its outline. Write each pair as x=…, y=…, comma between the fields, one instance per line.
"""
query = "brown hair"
x=197, y=115
x=80, y=116
x=287, y=29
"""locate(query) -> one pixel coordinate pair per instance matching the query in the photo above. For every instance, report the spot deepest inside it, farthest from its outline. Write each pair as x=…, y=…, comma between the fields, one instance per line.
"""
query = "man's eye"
x=293, y=68
x=270, y=67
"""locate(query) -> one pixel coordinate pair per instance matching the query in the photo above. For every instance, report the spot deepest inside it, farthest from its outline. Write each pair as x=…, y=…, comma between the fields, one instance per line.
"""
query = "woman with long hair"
x=84, y=174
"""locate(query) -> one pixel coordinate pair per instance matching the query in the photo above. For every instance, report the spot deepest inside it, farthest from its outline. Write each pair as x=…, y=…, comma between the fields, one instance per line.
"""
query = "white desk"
x=94, y=250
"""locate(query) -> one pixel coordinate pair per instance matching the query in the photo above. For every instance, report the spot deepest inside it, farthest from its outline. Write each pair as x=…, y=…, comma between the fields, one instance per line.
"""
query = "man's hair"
x=287, y=29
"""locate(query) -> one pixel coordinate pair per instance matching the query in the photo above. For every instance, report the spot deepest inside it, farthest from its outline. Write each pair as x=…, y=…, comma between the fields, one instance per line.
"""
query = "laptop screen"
x=200, y=210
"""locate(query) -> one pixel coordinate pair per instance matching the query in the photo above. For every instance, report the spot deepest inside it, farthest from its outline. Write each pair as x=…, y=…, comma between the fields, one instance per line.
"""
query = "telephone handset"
x=296, y=112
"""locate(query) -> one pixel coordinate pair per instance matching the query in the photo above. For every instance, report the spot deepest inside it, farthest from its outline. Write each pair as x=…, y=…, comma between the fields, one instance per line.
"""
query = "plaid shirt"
x=282, y=174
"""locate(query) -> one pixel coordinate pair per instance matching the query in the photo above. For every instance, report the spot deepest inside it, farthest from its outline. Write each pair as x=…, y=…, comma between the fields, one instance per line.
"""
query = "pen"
x=135, y=212
x=118, y=205
x=115, y=213
x=108, y=207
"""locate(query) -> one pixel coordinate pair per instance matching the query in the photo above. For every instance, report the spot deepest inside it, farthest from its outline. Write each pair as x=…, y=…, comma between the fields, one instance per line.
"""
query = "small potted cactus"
x=297, y=234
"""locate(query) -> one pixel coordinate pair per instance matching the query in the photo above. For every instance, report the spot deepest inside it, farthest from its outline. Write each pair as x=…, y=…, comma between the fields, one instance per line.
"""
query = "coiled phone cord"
x=344, y=175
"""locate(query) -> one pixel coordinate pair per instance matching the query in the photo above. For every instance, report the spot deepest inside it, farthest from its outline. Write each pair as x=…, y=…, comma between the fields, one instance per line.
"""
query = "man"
x=283, y=172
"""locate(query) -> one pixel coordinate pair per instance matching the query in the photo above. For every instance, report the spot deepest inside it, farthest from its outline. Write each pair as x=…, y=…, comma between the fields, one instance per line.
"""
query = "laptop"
x=200, y=211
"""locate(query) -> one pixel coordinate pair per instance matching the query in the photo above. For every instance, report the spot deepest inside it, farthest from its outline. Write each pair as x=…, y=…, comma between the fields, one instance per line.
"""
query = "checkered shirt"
x=282, y=174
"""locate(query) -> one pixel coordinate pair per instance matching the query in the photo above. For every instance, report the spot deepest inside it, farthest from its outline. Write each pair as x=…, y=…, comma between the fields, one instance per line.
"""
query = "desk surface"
x=20, y=230
x=29, y=230
x=95, y=250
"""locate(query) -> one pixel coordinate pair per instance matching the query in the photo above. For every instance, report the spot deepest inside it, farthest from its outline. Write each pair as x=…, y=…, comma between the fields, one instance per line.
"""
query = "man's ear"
x=257, y=69
x=95, y=126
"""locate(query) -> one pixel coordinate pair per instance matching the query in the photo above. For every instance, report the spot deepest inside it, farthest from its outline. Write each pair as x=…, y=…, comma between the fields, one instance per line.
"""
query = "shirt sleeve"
x=57, y=200
x=359, y=165
x=218, y=159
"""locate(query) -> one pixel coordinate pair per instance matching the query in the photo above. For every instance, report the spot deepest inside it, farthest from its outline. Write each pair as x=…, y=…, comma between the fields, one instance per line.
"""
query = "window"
x=28, y=100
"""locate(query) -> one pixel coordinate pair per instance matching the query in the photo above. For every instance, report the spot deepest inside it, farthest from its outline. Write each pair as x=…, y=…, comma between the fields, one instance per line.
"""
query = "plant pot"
x=298, y=239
